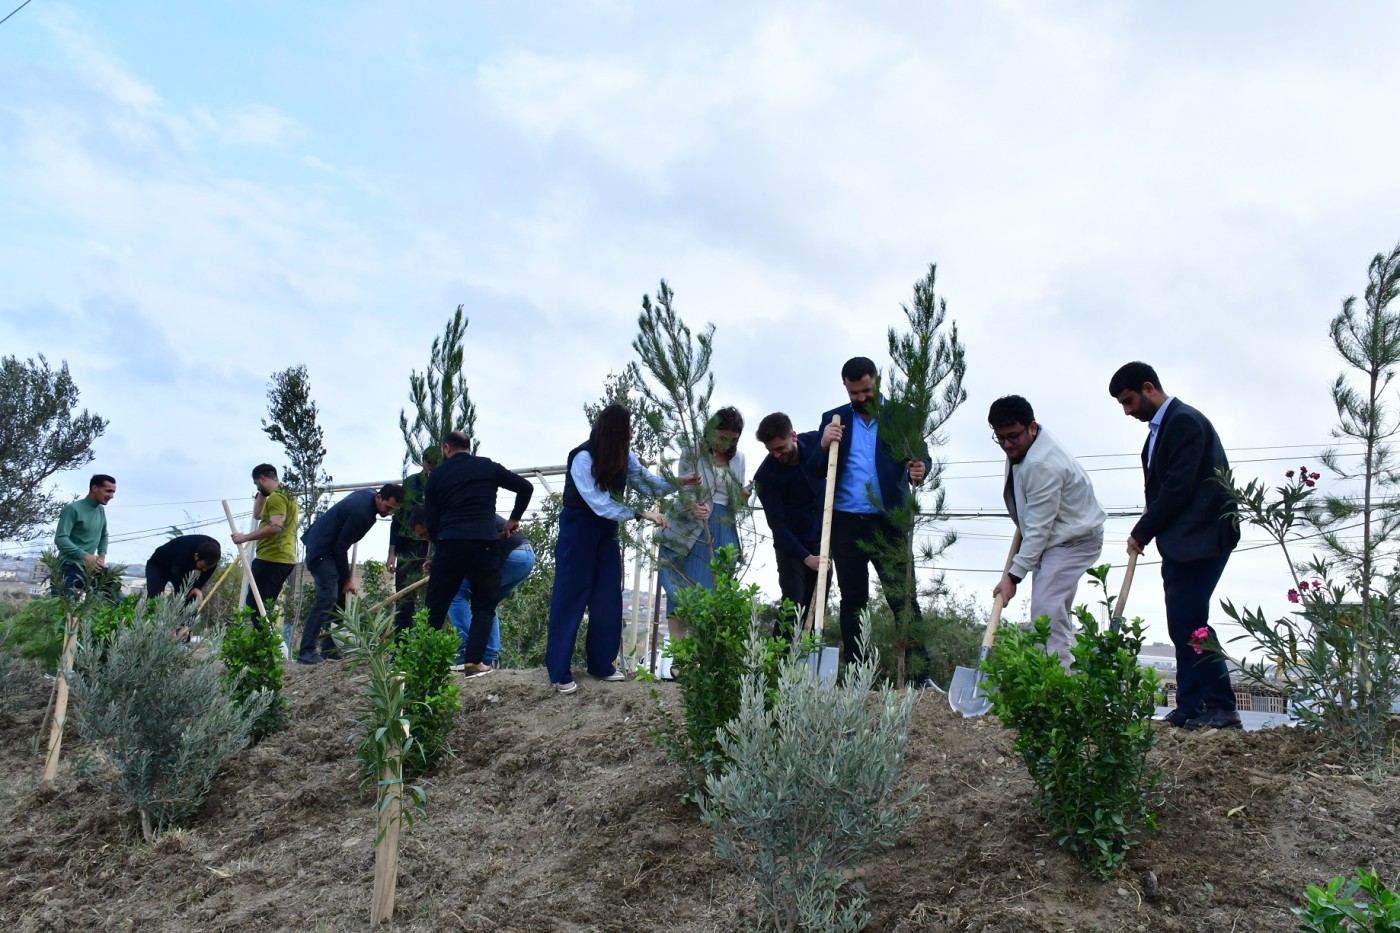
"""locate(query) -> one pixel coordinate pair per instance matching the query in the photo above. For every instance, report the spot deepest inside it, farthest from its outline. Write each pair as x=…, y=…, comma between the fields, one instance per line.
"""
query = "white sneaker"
x=569, y=687
x=614, y=677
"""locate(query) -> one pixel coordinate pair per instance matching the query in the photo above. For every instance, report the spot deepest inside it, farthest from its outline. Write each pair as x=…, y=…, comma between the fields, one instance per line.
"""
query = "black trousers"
x=1202, y=680
x=797, y=582
x=270, y=577
x=408, y=569
x=478, y=562
x=856, y=537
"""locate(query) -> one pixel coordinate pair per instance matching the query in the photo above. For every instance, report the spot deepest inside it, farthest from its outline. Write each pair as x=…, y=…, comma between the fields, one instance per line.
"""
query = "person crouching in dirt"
x=328, y=542
x=1052, y=502
x=587, y=556
x=459, y=510
x=792, y=506
x=176, y=560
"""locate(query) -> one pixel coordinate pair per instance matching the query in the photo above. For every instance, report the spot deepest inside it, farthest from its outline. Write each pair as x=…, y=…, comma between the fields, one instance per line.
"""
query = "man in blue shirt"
x=792, y=505
x=870, y=483
x=328, y=543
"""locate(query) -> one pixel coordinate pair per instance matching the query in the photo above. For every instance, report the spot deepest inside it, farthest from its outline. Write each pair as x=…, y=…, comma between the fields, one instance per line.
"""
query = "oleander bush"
x=1084, y=734
x=811, y=785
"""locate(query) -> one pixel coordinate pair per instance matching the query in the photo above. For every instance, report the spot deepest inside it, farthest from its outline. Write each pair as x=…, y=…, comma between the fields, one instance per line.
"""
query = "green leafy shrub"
x=34, y=631
x=810, y=787
x=1085, y=735
x=708, y=664
x=252, y=656
x=1359, y=904
x=160, y=712
x=423, y=657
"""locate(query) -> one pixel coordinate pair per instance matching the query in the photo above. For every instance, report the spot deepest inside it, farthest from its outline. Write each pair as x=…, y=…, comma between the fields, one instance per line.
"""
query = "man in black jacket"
x=328, y=543
x=174, y=562
x=1193, y=521
x=459, y=509
x=792, y=504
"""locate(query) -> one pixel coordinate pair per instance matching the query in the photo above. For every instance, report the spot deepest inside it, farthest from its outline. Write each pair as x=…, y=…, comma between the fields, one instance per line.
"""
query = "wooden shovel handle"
x=1119, y=613
x=403, y=592
x=998, y=604
x=817, y=611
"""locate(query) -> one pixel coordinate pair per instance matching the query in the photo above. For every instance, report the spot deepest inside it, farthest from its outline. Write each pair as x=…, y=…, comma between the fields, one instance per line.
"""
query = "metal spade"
x=965, y=692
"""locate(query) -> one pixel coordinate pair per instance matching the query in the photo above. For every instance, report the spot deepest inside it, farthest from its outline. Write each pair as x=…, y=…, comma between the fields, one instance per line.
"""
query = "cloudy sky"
x=196, y=196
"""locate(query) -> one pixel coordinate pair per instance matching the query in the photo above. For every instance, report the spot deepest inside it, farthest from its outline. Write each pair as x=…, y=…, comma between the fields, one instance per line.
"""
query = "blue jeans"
x=514, y=569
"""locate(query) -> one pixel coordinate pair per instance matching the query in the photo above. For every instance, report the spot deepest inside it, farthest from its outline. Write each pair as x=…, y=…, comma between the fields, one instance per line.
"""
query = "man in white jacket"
x=1053, y=504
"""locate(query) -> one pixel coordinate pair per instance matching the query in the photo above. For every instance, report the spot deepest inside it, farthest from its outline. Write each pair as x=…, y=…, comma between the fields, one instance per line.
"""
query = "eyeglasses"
x=1001, y=440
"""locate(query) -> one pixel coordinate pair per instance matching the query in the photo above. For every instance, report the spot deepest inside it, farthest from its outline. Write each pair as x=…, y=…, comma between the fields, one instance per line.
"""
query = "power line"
x=14, y=11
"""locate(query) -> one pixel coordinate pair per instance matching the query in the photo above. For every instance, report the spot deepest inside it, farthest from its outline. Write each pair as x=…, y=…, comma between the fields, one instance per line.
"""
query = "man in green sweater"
x=81, y=537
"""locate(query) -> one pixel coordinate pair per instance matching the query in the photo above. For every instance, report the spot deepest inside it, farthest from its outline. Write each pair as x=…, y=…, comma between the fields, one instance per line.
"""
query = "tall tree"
x=292, y=422
x=40, y=435
x=919, y=395
x=677, y=396
x=439, y=396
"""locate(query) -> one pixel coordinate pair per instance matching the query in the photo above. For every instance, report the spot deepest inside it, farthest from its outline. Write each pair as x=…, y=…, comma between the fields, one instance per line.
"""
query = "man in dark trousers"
x=792, y=505
x=460, y=512
x=870, y=483
x=1193, y=522
x=174, y=562
x=407, y=550
x=328, y=543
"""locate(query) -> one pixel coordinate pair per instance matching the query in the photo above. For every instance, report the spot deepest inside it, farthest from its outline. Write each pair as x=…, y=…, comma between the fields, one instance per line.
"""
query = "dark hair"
x=727, y=419
x=857, y=368
x=612, y=433
x=208, y=551
x=417, y=517
x=772, y=427
x=432, y=458
x=264, y=469
x=99, y=479
x=1132, y=376
x=457, y=440
x=391, y=491
x=1009, y=410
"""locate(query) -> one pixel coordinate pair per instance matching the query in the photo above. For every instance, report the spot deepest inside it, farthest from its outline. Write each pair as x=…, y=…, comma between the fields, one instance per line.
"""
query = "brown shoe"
x=476, y=670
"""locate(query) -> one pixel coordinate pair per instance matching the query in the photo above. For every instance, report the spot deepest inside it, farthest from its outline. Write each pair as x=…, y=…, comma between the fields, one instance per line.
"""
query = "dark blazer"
x=1188, y=511
x=893, y=474
x=792, y=501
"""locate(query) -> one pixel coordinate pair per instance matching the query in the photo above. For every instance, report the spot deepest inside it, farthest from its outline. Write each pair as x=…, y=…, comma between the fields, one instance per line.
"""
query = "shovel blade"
x=965, y=693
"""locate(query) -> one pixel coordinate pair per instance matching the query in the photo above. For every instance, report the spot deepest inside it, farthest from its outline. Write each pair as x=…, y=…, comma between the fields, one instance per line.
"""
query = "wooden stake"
x=817, y=613
x=386, y=850
x=247, y=567
x=60, y=712
x=1118, y=613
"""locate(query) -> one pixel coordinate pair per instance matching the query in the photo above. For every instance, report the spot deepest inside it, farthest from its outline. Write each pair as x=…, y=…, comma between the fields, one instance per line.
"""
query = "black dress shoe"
x=308, y=657
x=1179, y=717
x=1215, y=719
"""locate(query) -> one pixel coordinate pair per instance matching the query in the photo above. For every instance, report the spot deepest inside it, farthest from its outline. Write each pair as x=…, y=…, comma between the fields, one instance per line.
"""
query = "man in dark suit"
x=792, y=504
x=1192, y=519
x=870, y=483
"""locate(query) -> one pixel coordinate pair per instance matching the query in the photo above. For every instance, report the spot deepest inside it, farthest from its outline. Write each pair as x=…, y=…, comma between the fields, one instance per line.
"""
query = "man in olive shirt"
x=276, y=535
x=81, y=536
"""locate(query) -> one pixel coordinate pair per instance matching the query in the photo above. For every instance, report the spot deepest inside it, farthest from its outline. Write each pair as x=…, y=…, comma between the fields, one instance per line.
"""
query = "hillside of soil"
x=558, y=815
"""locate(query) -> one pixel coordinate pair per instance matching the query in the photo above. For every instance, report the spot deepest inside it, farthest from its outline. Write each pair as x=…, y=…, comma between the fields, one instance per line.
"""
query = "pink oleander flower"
x=1292, y=596
x=1317, y=476
x=1288, y=475
x=1303, y=586
x=1198, y=638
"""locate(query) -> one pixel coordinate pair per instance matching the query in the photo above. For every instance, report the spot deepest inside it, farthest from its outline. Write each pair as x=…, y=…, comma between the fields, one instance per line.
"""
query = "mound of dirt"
x=557, y=814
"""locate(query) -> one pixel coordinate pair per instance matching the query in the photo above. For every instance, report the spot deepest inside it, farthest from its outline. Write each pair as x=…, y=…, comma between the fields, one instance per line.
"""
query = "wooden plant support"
x=816, y=613
x=386, y=847
x=60, y=711
x=247, y=567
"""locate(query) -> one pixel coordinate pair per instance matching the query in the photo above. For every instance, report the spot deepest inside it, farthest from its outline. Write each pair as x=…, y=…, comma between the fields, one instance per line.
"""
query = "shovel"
x=965, y=692
x=1116, y=622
